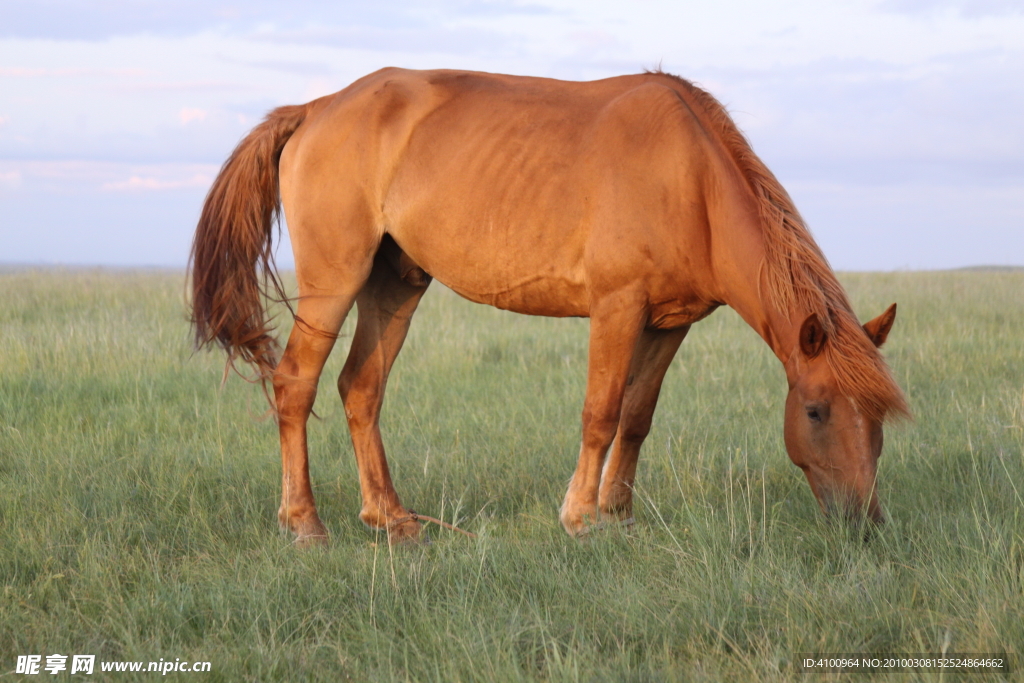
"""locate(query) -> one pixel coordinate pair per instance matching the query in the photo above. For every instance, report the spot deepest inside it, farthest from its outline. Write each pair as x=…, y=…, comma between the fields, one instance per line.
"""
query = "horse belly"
x=536, y=295
x=530, y=276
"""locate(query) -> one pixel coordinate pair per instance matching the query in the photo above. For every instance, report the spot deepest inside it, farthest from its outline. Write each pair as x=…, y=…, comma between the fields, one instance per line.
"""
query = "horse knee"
x=635, y=432
x=293, y=395
x=345, y=382
x=599, y=428
x=360, y=378
x=362, y=401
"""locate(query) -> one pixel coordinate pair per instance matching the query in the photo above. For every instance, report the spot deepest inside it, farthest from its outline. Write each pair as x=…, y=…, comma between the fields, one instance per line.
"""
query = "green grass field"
x=138, y=501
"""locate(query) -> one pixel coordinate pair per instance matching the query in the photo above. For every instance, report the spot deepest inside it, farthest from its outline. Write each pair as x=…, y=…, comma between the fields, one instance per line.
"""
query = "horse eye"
x=814, y=415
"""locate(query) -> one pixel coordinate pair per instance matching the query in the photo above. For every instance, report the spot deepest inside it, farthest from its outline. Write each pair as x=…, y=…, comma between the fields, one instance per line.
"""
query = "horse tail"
x=232, y=260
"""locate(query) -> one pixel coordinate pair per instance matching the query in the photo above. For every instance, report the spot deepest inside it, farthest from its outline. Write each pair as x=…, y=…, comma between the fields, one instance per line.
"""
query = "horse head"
x=829, y=433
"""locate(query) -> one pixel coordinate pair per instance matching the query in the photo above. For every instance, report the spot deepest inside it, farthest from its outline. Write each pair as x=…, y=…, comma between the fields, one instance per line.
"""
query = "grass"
x=138, y=505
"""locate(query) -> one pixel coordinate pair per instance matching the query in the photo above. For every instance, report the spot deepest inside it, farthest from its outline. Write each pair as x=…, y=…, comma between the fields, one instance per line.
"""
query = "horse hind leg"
x=386, y=305
x=651, y=360
x=318, y=319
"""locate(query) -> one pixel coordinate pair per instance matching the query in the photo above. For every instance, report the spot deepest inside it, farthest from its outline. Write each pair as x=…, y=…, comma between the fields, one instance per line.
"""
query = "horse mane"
x=795, y=275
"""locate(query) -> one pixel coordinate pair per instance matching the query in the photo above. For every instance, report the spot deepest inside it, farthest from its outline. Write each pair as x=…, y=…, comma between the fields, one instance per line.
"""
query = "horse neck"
x=738, y=256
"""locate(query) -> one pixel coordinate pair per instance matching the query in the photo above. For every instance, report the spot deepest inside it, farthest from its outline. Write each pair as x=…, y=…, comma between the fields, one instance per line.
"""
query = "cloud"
x=91, y=20
x=10, y=179
x=75, y=73
x=898, y=101
x=136, y=183
x=420, y=39
x=78, y=177
x=292, y=67
x=966, y=8
x=318, y=87
x=189, y=114
x=914, y=225
x=176, y=86
x=946, y=119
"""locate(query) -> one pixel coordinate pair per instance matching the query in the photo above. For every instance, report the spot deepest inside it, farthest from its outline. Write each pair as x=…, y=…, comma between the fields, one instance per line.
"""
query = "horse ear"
x=878, y=329
x=812, y=336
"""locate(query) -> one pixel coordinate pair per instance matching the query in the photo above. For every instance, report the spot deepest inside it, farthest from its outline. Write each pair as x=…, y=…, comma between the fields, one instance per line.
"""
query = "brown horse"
x=634, y=201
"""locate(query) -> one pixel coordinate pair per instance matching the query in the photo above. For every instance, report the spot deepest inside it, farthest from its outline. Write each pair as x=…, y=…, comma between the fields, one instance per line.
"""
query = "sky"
x=896, y=125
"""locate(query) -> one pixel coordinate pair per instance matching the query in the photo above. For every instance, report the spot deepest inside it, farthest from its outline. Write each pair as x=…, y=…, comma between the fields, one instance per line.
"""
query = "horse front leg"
x=615, y=325
x=654, y=354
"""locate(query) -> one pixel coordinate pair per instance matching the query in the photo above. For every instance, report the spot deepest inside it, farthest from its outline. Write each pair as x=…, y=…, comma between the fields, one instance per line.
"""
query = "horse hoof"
x=621, y=518
x=626, y=523
x=581, y=529
x=311, y=541
x=588, y=530
x=308, y=531
x=407, y=533
x=577, y=519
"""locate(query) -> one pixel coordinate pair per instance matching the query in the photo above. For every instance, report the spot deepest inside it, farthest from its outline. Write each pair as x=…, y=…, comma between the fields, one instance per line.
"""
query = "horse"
x=634, y=201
